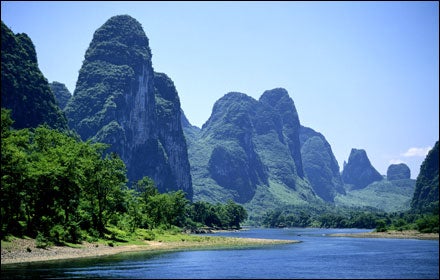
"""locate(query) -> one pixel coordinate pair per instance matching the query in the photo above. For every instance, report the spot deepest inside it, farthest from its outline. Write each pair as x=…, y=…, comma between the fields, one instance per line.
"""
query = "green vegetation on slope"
x=120, y=101
x=426, y=196
x=62, y=94
x=59, y=189
x=385, y=195
x=320, y=165
x=24, y=89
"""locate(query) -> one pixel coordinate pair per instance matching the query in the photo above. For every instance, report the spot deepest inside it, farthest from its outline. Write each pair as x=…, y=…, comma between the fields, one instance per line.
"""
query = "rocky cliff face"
x=398, y=172
x=246, y=144
x=320, y=165
x=358, y=171
x=426, y=195
x=170, y=132
x=24, y=89
x=116, y=101
x=62, y=94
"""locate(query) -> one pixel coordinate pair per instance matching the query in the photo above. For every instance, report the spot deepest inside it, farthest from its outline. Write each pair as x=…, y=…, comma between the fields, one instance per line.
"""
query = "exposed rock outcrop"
x=358, y=171
x=119, y=100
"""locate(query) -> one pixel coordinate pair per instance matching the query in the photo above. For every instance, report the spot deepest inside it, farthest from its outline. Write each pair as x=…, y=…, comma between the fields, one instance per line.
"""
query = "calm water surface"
x=318, y=256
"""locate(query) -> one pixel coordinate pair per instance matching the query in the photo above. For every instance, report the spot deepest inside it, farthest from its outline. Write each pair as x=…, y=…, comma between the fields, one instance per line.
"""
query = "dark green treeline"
x=57, y=187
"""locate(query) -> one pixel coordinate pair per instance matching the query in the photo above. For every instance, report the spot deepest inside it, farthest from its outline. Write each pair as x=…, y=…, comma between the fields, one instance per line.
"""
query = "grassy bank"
x=21, y=250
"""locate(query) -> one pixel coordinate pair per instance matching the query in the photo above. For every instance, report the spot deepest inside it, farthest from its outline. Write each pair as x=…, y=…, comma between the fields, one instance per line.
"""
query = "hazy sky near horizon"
x=364, y=74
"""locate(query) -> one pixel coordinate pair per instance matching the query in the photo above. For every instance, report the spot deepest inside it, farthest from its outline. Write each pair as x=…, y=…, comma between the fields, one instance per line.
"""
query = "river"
x=317, y=256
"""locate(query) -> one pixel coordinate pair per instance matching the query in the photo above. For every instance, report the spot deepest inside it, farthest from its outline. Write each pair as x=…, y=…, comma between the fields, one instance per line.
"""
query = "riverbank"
x=24, y=250
x=405, y=234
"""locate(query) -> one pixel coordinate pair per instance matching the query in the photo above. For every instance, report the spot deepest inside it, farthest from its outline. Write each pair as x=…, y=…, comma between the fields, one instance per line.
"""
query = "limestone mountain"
x=426, y=195
x=249, y=151
x=320, y=165
x=359, y=172
x=62, y=94
x=398, y=171
x=24, y=89
x=119, y=100
x=171, y=134
x=365, y=187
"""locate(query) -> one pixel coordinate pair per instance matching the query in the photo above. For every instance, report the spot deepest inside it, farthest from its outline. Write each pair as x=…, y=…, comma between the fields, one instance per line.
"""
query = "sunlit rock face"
x=115, y=103
x=358, y=171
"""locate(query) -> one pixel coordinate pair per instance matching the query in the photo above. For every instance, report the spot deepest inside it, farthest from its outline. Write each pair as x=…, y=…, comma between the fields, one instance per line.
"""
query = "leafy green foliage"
x=24, y=89
x=53, y=184
x=330, y=216
x=60, y=189
x=428, y=223
x=228, y=215
x=326, y=216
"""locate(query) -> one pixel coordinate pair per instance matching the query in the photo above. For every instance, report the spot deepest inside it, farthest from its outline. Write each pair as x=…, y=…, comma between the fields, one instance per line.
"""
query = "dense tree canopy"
x=60, y=188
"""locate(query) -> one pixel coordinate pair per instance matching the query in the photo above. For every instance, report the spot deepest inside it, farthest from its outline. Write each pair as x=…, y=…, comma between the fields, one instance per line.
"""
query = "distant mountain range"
x=255, y=152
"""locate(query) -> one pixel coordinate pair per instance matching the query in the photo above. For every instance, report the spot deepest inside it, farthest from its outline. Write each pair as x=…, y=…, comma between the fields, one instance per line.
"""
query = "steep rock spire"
x=115, y=102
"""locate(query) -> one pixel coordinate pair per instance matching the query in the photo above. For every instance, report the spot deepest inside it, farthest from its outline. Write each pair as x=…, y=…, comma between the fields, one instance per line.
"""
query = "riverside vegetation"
x=64, y=186
x=59, y=189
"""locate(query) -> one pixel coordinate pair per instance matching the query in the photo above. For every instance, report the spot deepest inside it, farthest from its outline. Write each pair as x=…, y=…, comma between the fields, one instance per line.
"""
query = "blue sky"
x=364, y=74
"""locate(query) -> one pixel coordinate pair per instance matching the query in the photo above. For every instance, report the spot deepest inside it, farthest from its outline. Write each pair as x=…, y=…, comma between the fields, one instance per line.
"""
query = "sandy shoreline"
x=406, y=234
x=25, y=250
x=17, y=251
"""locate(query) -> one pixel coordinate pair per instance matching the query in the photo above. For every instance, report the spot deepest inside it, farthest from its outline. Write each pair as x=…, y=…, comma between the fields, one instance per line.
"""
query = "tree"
x=235, y=214
x=14, y=146
x=103, y=192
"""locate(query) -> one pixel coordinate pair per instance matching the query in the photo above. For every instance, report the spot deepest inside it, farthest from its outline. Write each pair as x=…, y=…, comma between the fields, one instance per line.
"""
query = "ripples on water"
x=318, y=256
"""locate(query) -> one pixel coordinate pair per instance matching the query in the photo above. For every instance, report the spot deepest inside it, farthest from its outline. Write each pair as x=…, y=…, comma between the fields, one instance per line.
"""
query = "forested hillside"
x=57, y=188
x=426, y=195
x=24, y=89
x=249, y=151
x=62, y=94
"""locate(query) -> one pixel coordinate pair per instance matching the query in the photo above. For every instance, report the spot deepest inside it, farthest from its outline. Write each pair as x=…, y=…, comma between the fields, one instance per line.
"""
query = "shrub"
x=41, y=241
x=381, y=226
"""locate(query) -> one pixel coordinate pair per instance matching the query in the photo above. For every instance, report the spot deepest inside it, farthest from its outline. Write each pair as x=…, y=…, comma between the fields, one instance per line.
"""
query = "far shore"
x=25, y=250
x=405, y=234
